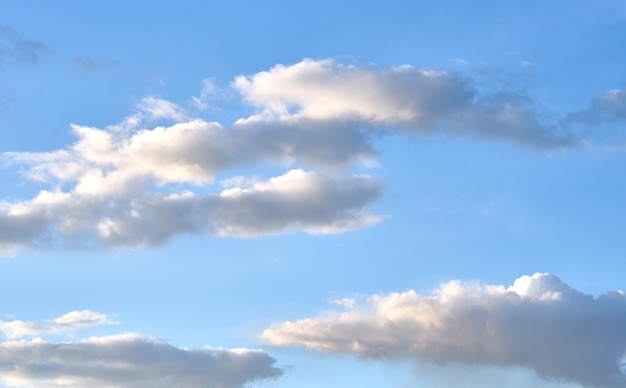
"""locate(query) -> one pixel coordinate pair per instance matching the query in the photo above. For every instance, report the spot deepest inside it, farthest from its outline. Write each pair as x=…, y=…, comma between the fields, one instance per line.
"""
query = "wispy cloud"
x=129, y=360
x=539, y=322
x=18, y=49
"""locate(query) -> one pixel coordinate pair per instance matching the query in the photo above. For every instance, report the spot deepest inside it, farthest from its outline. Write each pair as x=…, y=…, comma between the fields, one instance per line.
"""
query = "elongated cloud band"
x=402, y=98
x=127, y=185
x=129, y=360
x=539, y=323
x=67, y=322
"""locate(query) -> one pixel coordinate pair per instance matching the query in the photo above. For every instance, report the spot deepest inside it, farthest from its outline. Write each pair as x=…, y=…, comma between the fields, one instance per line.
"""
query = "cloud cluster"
x=67, y=322
x=129, y=360
x=114, y=186
x=539, y=323
x=139, y=183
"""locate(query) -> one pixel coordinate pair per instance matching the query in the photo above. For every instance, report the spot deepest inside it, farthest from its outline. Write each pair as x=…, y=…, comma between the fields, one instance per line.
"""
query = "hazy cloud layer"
x=129, y=360
x=539, y=323
x=67, y=322
x=140, y=183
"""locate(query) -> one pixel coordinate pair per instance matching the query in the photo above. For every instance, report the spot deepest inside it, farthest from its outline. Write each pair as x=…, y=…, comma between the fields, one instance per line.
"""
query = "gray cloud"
x=538, y=323
x=88, y=64
x=119, y=182
x=130, y=360
x=603, y=111
x=17, y=48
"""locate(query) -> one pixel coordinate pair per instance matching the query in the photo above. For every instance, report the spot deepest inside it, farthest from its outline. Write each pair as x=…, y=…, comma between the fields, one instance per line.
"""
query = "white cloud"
x=157, y=108
x=403, y=97
x=209, y=92
x=18, y=329
x=130, y=185
x=539, y=323
x=109, y=187
x=81, y=319
x=129, y=360
x=297, y=200
x=67, y=322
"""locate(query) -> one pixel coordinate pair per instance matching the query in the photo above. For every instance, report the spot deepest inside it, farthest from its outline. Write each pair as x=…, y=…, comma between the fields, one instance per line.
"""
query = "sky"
x=312, y=194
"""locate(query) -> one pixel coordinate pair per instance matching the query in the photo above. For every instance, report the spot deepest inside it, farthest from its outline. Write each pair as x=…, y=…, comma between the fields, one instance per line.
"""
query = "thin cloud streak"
x=402, y=99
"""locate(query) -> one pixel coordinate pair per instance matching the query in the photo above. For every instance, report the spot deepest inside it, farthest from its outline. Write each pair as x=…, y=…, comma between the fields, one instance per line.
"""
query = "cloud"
x=297, y=200
x=539, y=323
x=208, y=94
x=403, y=98
x=99, y=212
x=149, y=178
x=17, y=48
x=129, y=360
x=123, y=185
x=604, y=110
x=87, y=64
x=67, y=322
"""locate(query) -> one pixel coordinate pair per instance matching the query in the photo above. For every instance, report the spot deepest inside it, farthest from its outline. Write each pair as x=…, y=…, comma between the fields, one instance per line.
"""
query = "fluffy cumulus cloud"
x=298, y=200
x=538, y=323
x=129, y=360
x=150, y=178
x=607, y=108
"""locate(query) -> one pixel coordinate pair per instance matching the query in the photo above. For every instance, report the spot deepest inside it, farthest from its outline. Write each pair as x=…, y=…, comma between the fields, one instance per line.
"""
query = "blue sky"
x=336, y=194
